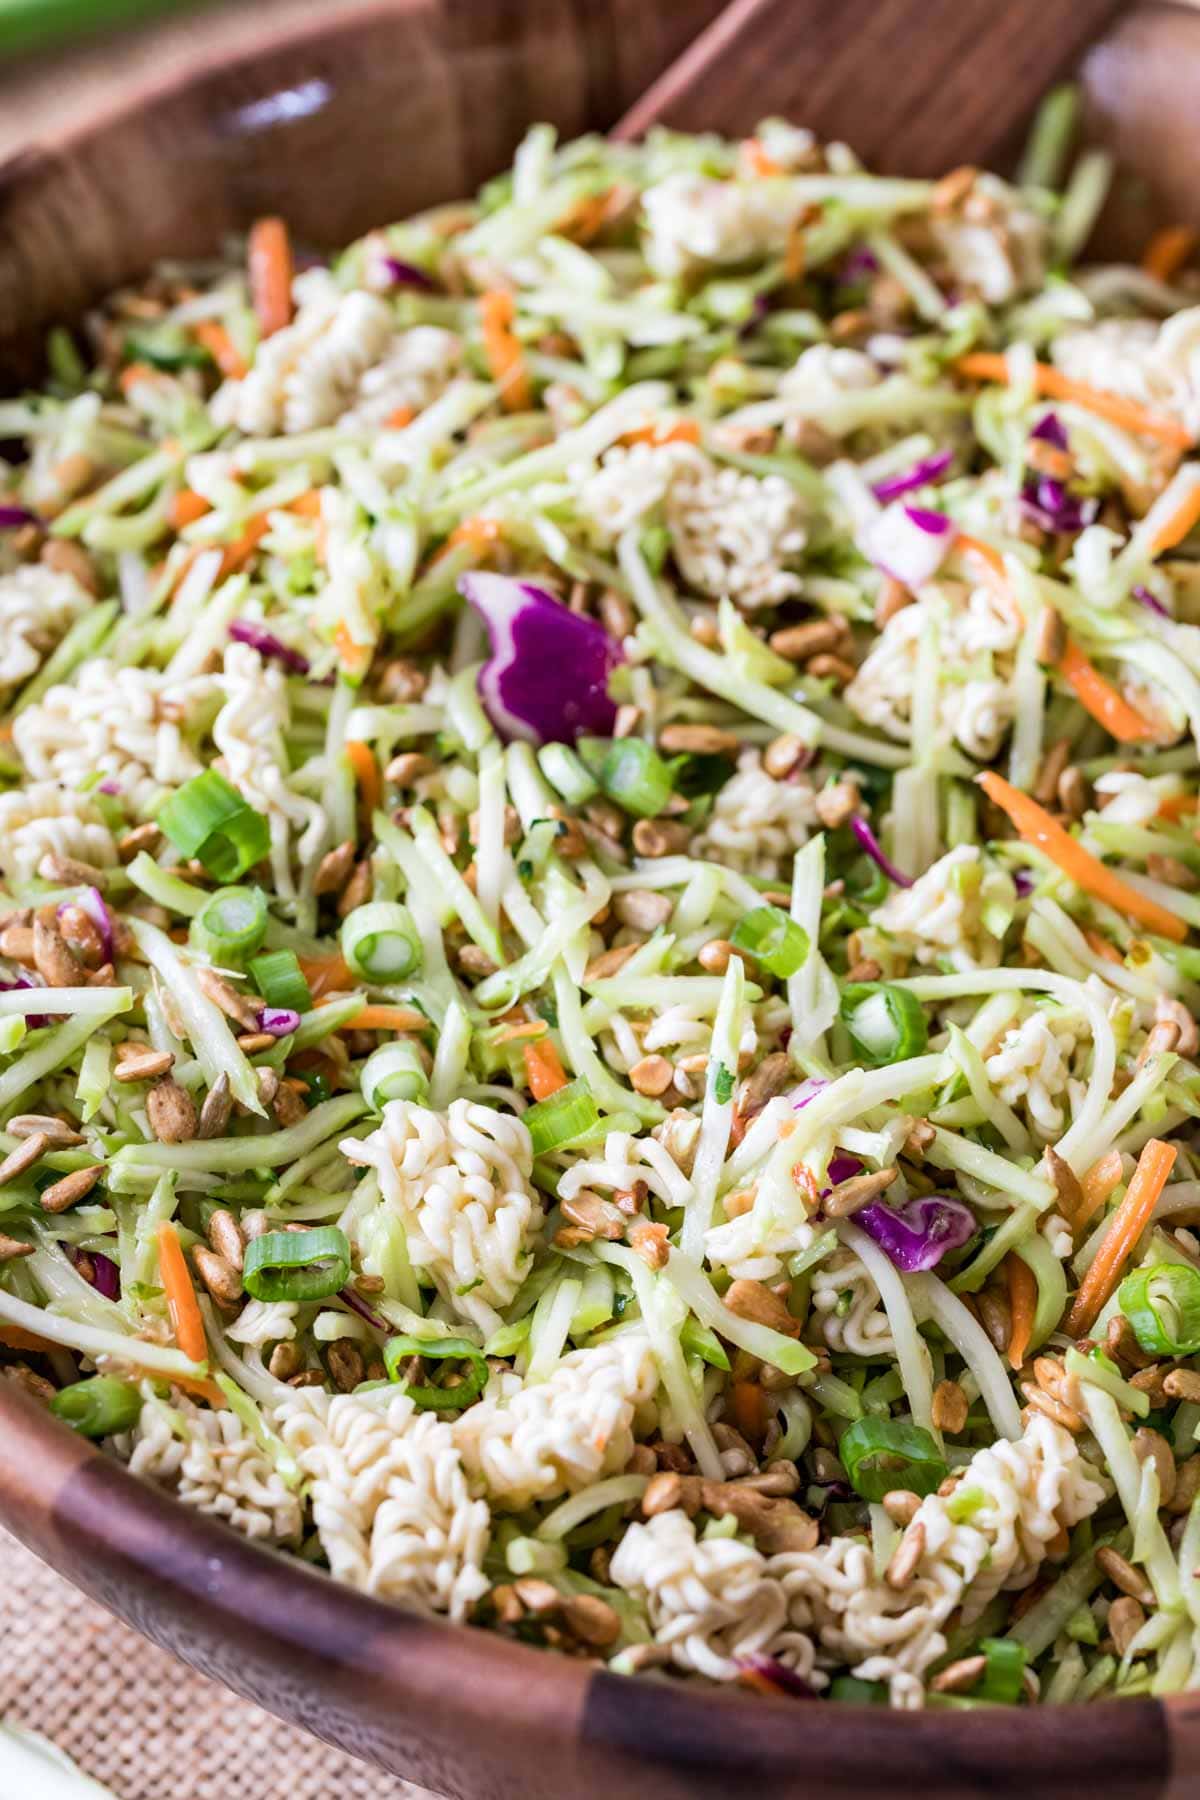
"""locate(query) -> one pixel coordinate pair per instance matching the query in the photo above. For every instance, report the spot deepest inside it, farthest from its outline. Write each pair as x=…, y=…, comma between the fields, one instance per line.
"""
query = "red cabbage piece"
x=1051, y=430
x=547, y=677
x=930, y=468
x=406, y=274
x=808, y=1090
x=875, y=851
x=358, y=1305
x=858, y=264
x=909, y=543
x=278, y=1020
x=1048, y=503
x=91, y=901
x=1146, y=598
x=100, y=1271
x=841, y=1167
x=35, y=1021
x=13, y=517
x=249, y=631
x=776, y=1674
x=918, y=1235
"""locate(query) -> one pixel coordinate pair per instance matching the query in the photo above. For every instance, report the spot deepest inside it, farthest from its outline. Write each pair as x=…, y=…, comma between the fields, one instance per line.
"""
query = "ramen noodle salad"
x=600, y=914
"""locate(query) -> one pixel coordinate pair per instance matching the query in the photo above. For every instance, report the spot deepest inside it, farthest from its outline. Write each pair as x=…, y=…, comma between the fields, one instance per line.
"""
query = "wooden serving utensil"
x=913, y=85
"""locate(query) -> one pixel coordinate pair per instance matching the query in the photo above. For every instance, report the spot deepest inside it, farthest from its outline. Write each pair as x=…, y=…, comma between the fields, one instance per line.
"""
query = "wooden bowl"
x=343, y=118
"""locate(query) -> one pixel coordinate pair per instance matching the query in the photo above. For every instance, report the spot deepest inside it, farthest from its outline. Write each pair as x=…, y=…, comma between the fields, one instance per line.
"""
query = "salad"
x=598, y=868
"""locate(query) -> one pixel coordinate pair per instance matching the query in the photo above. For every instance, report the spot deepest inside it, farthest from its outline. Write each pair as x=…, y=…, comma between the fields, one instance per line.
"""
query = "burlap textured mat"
x=139, y=1721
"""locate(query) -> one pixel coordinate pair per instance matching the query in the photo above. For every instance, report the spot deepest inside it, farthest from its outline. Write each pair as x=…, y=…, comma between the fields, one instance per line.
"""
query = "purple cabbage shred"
x=876, y=852
x=918, y=1235
x=248, y=631
x=929, y=469
x=547, y=677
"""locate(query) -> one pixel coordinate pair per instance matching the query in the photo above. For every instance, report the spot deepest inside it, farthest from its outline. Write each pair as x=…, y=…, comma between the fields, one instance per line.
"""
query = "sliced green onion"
x=397, y=1350
x=773, y=938
x=564, y=771
x=697, y=1340
x=208, y=818
x=1003, y=1679
x=560, y=1119
x=380, y=941
x=99, y=1406
x=881, y=1454
x=278, y=977
x=394, y=1072
x=886, y=1024
x=1162, y=1303
x=232, y=925
x=297, y=1265
x=634, y=775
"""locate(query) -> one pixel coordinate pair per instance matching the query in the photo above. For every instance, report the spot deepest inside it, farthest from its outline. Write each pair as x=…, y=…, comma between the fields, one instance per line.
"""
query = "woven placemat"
x=141, y=1722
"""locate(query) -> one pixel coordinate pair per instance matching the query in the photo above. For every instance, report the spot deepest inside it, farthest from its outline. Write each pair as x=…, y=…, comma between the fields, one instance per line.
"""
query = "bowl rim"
x=61, y=1494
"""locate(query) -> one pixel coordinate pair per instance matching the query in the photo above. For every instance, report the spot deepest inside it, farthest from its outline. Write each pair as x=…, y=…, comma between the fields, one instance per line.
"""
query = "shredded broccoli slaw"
x=598, y=885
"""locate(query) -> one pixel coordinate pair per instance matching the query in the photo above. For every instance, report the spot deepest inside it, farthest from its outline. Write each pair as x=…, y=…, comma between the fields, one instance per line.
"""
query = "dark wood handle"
x=918, y=85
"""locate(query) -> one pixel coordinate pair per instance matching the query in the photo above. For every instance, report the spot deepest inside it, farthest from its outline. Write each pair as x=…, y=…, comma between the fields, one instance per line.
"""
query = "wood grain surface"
x=914, y=85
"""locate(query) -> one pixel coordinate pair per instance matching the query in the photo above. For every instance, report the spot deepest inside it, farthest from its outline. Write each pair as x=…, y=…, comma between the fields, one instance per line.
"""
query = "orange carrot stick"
x=186, y=1321
x=397, y=420
x=327, y=974
x=1102, y=947
x=988, y=365
x=269, y=255
x=135, y=372
x=1128, y=1223
x=1177, y=806
x=1098, y=1184
x=354, y=658
x=543, y=1068
x=214, y=338
x=186, y=507
x=757, y=159
x=1101, y=698
x=366, y=774
x=1022, y=1306
x=307, y=505
x=1036, y=826
x=1176, y=528
x=681, y=431
x=1168, y=250
x=388, y=1018
x=238, y=554
x=501, y=347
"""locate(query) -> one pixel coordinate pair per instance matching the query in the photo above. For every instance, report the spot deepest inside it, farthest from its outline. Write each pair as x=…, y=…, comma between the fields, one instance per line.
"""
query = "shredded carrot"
x=757, y=159
x=1128, y=1223
x=220, y=346
x=1101, y=698
x=543, y=1068
x=388, y=1018
x=1102, y=947
x=186, y=507
x=366, y=774
x=135, y=372
x=327, y=974
x=795, y=253
x=1168, y=250
x=482, y=535
x=1100, y=1181
x=397, y=420
x=680, y=431
x=988, y=365
x=748, y=1407
x=191, y=1384
x=15, y=1337
x=238, y=554
x=306, y=505
x=992, y=570
x=354, y=658
x=1177, y=806
x=1178, y=525
x=1036, y=826
x=1022, y=1306
x=505, y=358
x=269, y=254
x=528, y=1028
x=186, y=1322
